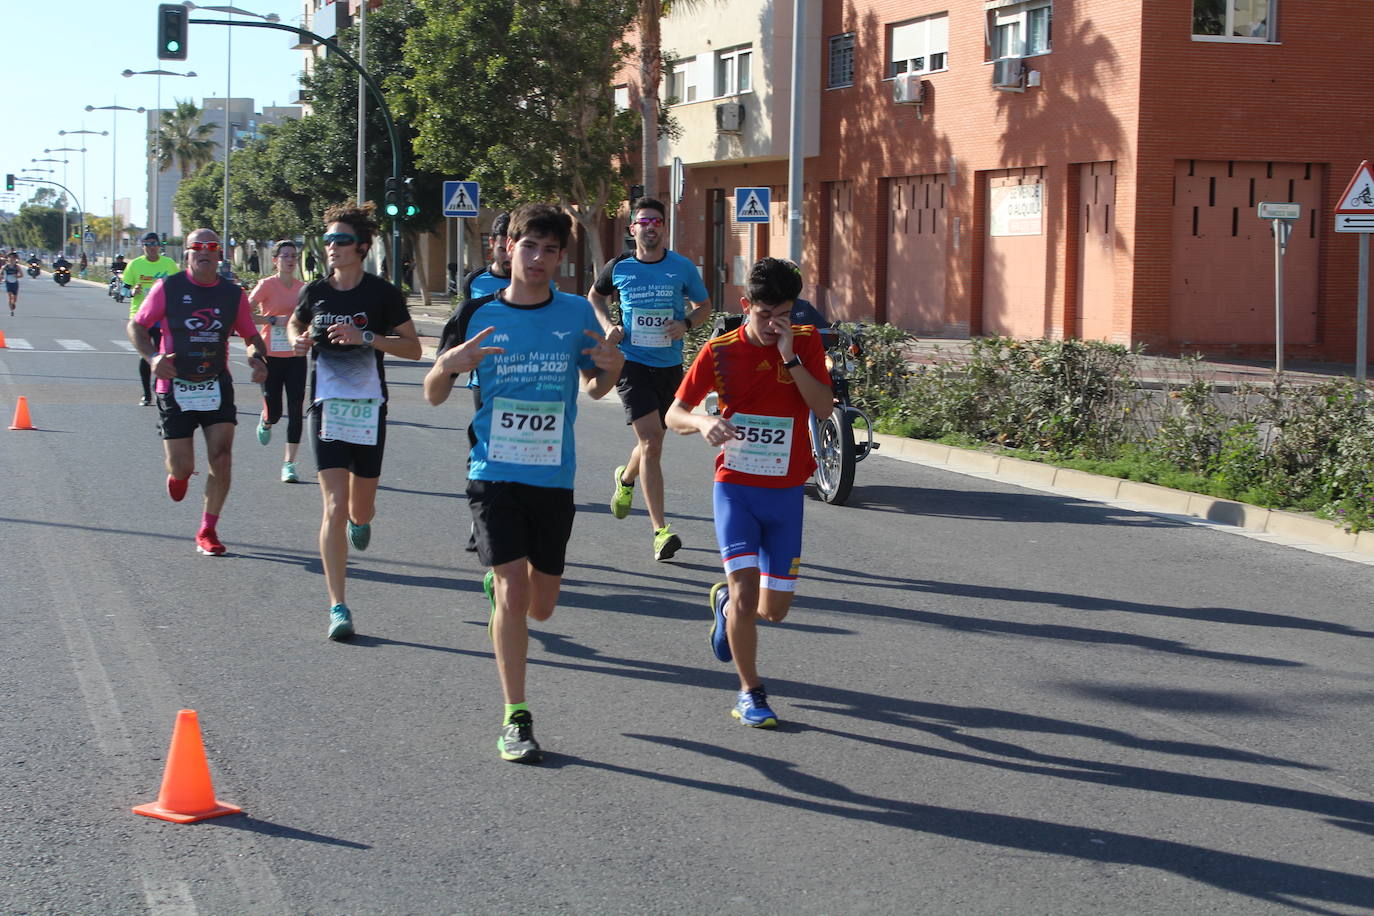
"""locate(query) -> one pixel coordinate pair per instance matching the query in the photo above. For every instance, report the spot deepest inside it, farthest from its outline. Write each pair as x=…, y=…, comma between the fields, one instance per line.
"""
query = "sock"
x=207, y=521
x=513, y=708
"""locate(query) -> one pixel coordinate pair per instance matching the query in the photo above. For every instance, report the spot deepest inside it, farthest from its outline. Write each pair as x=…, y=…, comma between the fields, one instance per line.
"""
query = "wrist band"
x=792, y=363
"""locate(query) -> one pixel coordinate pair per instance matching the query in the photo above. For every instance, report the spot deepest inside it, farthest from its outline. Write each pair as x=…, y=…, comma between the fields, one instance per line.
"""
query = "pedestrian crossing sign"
x=751, y=205
x=461, y=198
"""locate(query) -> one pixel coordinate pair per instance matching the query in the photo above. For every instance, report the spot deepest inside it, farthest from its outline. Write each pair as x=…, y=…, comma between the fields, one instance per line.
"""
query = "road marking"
x=19, y=343
x=123, y=343
x=74, y=344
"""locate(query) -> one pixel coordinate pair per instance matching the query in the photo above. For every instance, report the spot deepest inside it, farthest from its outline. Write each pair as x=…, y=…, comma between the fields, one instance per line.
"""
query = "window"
x=622, y=98
x=682, y=86
x=1019, y=30
x=919, y=46
x=1229, y=20
x=733, y=73
x=841, y=61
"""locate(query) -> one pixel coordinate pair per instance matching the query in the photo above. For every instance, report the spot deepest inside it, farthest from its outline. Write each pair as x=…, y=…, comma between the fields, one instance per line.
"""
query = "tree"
x=181, y=138
x=199, y=199
x=535, y=124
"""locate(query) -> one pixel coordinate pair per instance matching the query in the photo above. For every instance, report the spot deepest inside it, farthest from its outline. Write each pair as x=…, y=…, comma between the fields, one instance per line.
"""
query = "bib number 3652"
x=526, y=432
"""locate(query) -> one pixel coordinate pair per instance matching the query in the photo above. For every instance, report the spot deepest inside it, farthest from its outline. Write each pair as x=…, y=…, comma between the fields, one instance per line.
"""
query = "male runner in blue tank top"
x=652, y=283
x=528, y=346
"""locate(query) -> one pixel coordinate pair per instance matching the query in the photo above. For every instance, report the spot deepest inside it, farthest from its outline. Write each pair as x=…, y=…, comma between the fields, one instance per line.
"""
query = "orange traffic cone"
x=187, y=795
x=21, y=415
x=2, y=340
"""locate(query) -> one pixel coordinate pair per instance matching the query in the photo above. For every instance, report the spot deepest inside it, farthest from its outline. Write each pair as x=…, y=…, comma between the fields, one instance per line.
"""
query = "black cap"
x=151, y=237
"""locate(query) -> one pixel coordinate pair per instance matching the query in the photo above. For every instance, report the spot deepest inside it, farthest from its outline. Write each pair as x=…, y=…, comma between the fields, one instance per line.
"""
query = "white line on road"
x=19, y=343
x=124, y=344
x=74, y=344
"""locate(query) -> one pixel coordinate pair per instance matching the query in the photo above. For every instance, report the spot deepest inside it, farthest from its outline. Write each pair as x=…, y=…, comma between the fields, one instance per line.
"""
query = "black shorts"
x=516, y=520
x=12, y=288
x=175, y=423
x=359, y=460
x=645, y=389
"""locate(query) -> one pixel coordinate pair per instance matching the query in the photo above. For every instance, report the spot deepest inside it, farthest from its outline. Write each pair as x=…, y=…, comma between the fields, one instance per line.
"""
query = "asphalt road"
x=995, y=701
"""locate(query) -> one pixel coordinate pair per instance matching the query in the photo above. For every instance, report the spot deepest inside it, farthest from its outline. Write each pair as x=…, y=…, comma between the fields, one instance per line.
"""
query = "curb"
x=1291, y=526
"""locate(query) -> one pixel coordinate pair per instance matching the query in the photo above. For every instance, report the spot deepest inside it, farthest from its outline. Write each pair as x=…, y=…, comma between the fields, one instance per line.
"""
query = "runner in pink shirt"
x=275, y=298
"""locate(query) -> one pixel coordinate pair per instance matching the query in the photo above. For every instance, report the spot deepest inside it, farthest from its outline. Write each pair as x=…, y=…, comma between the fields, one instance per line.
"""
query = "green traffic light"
x=392, y=209
x=412, y=210
x=173, y=46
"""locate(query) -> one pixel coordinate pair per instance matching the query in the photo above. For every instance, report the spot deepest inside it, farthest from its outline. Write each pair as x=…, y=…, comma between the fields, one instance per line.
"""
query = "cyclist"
x=12, y=274
x=275, y=298
x=142, y=272
x=350, y=320
x=651, y=282
x=199, y=312
x=769, y=376
x=528, y=346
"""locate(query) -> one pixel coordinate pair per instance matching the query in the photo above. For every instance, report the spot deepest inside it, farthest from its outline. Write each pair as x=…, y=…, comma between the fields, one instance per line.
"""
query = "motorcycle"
x=33, y=269
x=61, y=275
x=118, y=289
x=833, y=443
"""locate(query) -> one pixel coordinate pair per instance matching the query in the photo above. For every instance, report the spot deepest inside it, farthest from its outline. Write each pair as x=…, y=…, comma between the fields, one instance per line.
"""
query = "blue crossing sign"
x=751, y=205
x=461, y=198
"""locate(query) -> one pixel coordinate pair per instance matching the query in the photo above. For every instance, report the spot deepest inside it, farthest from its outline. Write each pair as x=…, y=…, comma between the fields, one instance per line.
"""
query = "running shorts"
x=516, y=520
x=645, y=389
x=175, y=423
x=359, y=460
x=760, y=526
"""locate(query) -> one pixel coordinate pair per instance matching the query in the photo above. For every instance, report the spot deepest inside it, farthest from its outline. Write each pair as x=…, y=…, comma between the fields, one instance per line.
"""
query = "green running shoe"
x=489, y=586
x=359, y=535
x=623, y=495
x=288, y=472
x=340, y=623
x=666, y=544
x=517, y=743
x=264, y=432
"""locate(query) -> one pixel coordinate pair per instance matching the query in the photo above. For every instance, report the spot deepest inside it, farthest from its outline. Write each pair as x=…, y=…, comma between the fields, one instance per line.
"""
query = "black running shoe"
x=517, y=742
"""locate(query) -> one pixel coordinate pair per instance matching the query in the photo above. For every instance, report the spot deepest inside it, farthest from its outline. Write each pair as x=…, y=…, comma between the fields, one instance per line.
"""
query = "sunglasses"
x=338, y=238
x=649, y=221
x=203, y=246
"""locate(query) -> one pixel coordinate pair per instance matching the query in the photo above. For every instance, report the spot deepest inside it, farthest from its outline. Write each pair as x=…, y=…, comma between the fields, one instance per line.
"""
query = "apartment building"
x=1061, y=168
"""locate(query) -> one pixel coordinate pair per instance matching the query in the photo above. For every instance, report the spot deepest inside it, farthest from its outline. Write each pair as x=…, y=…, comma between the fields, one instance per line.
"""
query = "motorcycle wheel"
x=835, y=458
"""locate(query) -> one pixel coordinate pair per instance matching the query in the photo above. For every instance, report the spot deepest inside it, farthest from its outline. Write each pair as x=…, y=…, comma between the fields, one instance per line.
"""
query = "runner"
x=352, y=320
x=142, y=272
x=275, y=298
x=652, y=282
x=769, y=376
x=528, y=352
x=496, y=275
x=191, y=364
x=12, y=274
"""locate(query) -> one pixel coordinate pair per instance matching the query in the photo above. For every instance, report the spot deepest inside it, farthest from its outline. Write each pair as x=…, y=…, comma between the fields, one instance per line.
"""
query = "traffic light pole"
x=396, y=272
x=80, y=209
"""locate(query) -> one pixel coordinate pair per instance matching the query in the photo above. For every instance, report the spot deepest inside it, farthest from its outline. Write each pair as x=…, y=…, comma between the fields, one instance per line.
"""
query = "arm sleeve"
x=243, y=325
x=699, y=380
x=812, y=353
x=603, y=284
x=303, y=312
x=696, y=290
x=154, y=307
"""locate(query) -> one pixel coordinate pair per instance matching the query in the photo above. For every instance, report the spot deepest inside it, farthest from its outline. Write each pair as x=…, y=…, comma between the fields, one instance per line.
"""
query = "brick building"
x=1034, y=167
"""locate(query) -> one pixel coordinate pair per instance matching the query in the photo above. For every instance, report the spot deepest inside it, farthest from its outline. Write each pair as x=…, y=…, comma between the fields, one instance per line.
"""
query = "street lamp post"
x=155, y=212
x=64, y=206
x=95, y=133
x=114, y=149
x=82, y=151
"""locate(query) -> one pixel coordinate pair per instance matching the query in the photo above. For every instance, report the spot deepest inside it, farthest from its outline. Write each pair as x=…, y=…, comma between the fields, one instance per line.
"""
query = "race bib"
x=350, y=420
x=196, y=395
x=279, y=339
x=762, y=445
x=526, y=432
x=649, y=327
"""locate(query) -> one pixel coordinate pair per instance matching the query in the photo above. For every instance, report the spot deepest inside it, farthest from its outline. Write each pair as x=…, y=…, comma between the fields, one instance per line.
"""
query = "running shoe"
x=489, y=587
x=264, y=432
x=359, y=535
x=207, y=542
x=666, y=544
x=145, y=401
x=517, y=742
x=288, y=472
x=752, y=709
x=340, y=622
x=177, y=488
x=720, y=640
x=623, y=495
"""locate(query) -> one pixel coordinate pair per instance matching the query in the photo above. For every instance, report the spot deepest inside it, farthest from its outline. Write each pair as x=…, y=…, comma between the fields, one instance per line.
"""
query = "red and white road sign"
x=1355, y=211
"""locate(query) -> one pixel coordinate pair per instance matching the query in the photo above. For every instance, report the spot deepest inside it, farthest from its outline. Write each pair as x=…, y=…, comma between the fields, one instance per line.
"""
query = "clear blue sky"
x=56, y=65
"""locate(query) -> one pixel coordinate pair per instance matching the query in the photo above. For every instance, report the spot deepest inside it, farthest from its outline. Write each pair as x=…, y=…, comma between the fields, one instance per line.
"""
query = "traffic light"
x=409, y=209
x=171, y=31
x=9, y=182
x=391, y=200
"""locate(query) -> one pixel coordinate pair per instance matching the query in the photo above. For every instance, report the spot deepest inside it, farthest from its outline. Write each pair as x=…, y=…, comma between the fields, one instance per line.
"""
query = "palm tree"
x=183, y=139
x=650, y=77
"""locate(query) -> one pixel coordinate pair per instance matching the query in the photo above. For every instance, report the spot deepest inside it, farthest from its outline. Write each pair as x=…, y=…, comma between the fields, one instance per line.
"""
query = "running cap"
x=151, y=237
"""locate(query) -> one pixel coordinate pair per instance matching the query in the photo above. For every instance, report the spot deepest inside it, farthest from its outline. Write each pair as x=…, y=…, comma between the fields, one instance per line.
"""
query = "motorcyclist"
x=118, y=264
x=61, y=262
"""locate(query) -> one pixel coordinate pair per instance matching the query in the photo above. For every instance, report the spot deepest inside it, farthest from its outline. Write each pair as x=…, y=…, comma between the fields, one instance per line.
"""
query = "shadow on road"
x=268, y=828
x=998, y=505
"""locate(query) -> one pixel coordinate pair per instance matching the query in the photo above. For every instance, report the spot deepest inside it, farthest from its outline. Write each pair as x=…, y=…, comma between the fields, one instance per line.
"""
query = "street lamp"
x=64, y=181
x=155, y=211
x=228, y=98
x=114, y=152
x=68, y=149
x=84, y=198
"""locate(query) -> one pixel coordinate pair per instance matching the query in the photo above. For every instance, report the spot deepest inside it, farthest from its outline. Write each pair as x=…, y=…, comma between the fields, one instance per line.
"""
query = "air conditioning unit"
x=729, y=117
x=1008, y=73
x=908, y=89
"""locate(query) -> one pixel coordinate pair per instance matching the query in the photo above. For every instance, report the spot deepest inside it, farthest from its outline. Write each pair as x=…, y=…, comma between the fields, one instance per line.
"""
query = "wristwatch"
x=792, y=363
x=368, y=337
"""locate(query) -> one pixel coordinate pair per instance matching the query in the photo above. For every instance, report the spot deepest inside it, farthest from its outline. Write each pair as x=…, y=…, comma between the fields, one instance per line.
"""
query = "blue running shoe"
x=360, y=535
x=752, y=709
x=340, y=623
x=720, y=640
